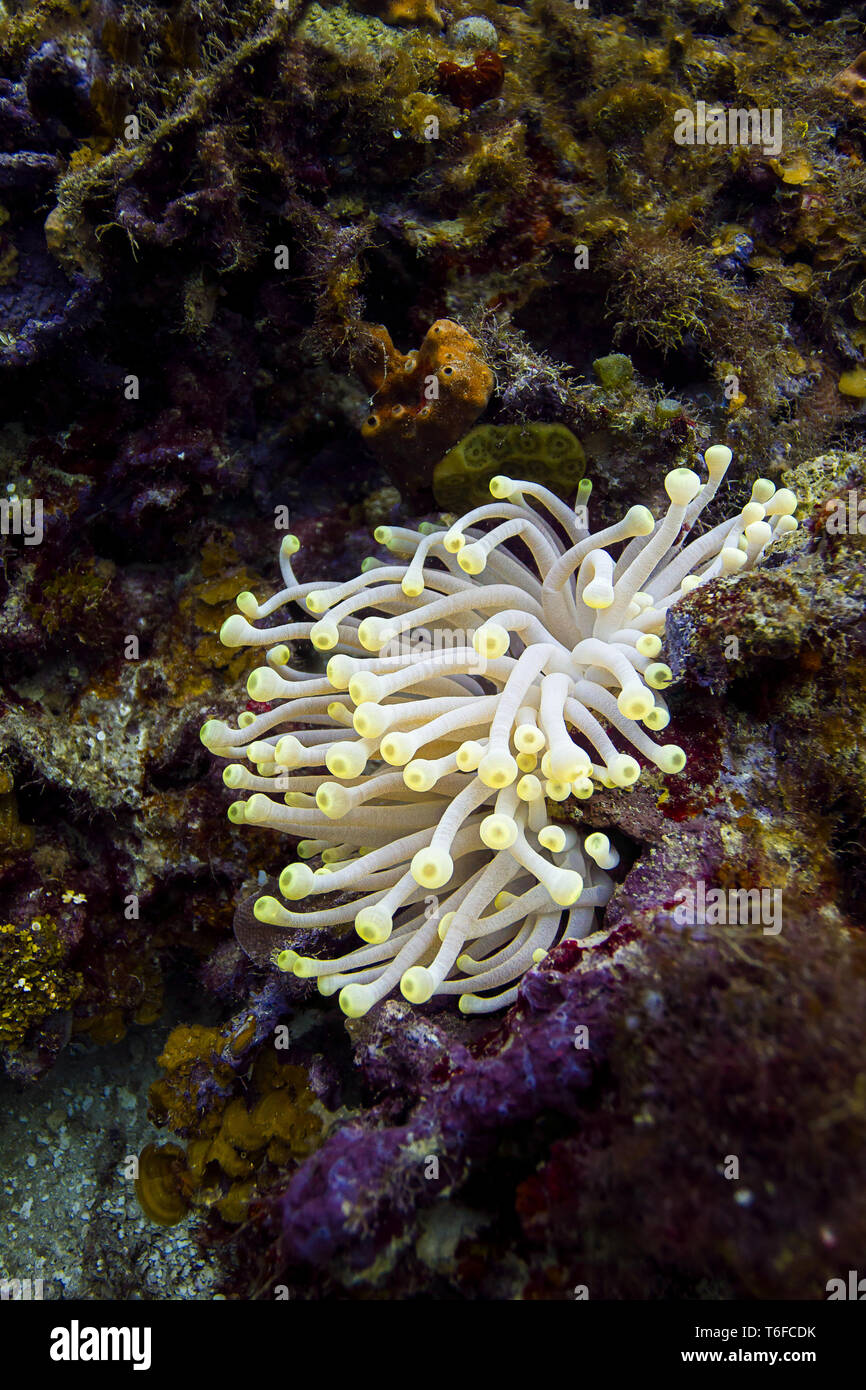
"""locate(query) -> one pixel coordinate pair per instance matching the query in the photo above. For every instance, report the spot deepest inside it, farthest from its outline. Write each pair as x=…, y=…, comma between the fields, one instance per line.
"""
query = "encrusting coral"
x=495, y=672
x=548, y=454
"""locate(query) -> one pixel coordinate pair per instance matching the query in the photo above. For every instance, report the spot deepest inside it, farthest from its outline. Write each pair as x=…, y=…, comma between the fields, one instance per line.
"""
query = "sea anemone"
x=482, y=675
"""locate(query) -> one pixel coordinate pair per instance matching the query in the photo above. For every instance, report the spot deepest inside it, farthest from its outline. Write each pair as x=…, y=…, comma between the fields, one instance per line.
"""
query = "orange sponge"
x=852, y=82
x=424, y=401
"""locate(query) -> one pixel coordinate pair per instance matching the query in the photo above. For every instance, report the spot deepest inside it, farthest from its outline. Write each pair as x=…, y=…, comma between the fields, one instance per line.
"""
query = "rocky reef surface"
x=229, y=237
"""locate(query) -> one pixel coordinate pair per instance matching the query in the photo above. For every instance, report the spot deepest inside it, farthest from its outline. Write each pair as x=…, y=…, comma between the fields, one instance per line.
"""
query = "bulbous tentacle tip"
x=417, y=985
x=682, y=486
x=355, y=1001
